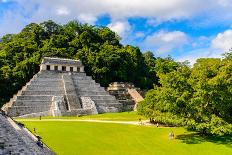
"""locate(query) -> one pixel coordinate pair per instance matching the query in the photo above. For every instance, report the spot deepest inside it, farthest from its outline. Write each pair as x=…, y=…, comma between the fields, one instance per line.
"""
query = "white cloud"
x=164, y=41
x=120, y=27
x=223, y=41
x=87, y=18
x=63, y=11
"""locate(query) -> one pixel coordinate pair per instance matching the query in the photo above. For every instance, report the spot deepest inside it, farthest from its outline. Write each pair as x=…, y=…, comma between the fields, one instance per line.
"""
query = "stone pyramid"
x=61, y=88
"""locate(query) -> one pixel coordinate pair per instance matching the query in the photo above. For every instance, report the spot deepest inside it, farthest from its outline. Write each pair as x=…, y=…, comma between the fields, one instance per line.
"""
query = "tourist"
x=140, y=121
x=39, y=143
x=171, y=135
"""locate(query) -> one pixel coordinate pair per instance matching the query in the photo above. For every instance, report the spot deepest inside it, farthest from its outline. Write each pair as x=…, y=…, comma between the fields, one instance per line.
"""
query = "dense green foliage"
x=70, y=137
x=98, y=48
x=198, y=97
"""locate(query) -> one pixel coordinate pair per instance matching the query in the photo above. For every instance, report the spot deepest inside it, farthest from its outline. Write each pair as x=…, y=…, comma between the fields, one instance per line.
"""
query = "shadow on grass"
x=195, y=138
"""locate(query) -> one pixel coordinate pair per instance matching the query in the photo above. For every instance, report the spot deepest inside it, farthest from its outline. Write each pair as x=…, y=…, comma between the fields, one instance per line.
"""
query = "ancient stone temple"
x=61, y=87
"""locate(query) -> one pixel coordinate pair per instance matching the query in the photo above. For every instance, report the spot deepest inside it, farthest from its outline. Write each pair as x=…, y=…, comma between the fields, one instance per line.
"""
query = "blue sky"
x=184, y=29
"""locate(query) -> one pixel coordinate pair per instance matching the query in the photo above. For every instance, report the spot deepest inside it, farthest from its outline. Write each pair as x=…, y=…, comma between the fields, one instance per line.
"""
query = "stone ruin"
x=61, y=88
x=127, y=94
x=17, y=140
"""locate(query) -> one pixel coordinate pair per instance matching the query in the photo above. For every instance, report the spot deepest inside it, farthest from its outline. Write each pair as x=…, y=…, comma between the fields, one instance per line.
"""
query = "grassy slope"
x=67, y=138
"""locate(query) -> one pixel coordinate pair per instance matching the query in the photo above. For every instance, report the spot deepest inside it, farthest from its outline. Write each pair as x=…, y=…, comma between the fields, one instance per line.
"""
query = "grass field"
x=123, y=116
x=84, y=138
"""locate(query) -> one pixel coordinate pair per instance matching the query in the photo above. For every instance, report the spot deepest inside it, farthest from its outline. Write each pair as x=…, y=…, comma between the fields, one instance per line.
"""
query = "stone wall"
x=88, y=103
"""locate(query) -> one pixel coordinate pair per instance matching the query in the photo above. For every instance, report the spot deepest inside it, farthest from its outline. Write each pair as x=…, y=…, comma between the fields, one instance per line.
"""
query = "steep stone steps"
x=90, y=85
x=104, y=101
x=18, y=140
x=100, y=97
x=23, y=110
x=31, y=103
x=96, y=89
x=44, y=88
x=35, y=98
x=90, y=93
x=46, y=82
x=42, y=92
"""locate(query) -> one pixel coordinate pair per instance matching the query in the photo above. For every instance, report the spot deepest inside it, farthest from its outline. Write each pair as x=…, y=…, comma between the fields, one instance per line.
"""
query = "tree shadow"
x=196, y=138
x=192, y=138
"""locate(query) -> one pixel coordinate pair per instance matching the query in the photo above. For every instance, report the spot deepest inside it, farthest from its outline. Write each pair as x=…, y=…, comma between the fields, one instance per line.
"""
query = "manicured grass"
x=85, y=138
x=123, y=116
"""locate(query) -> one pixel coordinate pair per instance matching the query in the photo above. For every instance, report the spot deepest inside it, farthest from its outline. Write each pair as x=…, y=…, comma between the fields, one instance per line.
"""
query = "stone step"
x=48, y=79
x=22, y=110
x=47, y=75
x=108, y=101
x=35, y=97
x=79, y=74
x=84, y=85
x=46, y=82
x=88, y=88
x=102, y=97
x=44, y=88
x=90, y=93
x=42, y=92
x=31, y=103
x=76, y=77
x=84, y=81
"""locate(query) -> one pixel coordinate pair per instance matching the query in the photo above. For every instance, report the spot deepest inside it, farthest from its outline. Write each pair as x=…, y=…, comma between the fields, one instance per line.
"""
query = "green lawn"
x=123, y=116
x=85, y=138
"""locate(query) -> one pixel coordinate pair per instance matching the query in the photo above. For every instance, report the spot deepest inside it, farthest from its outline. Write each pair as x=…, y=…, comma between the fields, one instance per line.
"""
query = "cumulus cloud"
x=63, y=11
x=164, y=41
x=87, y=18
x=120, y=27
x=223, y=41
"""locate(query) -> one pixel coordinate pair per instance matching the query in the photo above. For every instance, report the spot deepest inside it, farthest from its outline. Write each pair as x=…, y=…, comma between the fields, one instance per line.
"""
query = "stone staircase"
x=87, y=87
x=13, y=99
x=15, y=139
x=136, y=96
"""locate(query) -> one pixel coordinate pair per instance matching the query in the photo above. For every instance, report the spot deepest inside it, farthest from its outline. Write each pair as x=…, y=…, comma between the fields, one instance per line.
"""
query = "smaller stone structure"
x=125, y=93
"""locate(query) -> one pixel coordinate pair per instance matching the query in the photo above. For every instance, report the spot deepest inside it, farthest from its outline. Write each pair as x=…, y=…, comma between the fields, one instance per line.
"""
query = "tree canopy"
x=200, y=95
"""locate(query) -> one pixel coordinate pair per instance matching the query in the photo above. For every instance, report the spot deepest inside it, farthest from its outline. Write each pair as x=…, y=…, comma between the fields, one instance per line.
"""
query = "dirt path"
x=146, y=123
